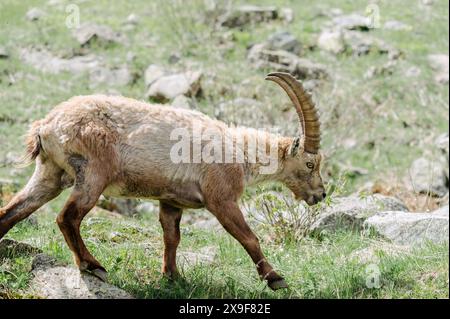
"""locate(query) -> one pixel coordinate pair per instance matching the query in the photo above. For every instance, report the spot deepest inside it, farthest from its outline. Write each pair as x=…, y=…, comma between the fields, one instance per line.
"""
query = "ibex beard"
x=122, y=147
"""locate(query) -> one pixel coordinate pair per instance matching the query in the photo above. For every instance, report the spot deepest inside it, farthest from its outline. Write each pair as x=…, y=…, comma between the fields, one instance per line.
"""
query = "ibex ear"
x=295, y=146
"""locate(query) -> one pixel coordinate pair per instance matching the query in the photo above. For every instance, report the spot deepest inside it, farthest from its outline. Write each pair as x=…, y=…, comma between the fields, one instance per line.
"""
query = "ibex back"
x=118, y=146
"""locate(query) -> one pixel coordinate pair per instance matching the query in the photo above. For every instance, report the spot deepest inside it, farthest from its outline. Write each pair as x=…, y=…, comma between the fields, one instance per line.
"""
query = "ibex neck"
x=263, y=154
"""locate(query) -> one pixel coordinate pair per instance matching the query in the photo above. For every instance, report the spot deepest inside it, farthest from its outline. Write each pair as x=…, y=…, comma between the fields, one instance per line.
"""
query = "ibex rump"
x=120, y=147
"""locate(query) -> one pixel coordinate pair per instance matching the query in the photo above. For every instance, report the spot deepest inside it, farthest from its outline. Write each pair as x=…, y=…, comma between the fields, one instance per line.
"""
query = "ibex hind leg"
x=90, y=182
x=44, y=185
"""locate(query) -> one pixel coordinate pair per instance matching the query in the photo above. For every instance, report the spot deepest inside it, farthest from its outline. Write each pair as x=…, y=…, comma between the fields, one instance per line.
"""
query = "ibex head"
x=302, y=159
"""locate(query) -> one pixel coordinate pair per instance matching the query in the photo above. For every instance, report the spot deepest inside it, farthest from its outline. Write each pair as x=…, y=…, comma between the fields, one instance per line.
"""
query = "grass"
x=392, y=118
x=313, y=268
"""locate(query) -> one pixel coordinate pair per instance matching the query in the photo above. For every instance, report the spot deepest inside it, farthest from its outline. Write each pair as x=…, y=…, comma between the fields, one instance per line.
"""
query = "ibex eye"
x=310, y=165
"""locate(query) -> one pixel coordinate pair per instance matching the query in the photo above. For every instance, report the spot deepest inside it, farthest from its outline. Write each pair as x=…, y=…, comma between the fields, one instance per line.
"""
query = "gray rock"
x=3, y=53
x=429, y=176
x=122, y=206
x=439, y=63
x=331, y=41
x=153, y=73
x=34, y=14
x=249, y=14
x=362, y=44
x=283, y=41
x=411, y=228
x=284, y=61
x=396, y=26
x=442, y=142
x=89, y=32
x=182, y=102
x=119, y=76
x=352, y=22
x=370, y=255
x=90, y=64
x=52, y=281
x=168, y=87
x=287, y=14
x=351, y=212
x=147, y=207
x=47, y=62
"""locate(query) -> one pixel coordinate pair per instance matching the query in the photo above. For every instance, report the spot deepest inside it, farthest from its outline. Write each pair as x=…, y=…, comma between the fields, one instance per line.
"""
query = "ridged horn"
x=306, y=110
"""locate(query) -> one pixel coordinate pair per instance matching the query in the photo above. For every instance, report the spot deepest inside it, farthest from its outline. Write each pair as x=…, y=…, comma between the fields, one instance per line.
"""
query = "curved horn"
x=306, y=110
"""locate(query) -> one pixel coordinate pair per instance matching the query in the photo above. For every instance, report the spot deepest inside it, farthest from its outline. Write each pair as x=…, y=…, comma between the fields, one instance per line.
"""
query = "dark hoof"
x=100, y=274
x=278, y=284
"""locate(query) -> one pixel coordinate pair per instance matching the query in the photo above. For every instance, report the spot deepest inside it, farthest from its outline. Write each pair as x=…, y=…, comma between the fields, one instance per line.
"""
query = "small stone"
x=170, y=86
x=153, y=73
x=440, y=64
x=352, y=22
x=287, y=14
x=87, y=32
x=283, y=41
x=182, y=102
x=3, y=53
x=331, y=41
x=429, y=176
x=249, y=14
x=34, y=14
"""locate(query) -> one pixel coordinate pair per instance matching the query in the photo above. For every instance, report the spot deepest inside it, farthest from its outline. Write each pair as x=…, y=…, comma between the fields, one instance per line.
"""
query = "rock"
x=284, y=61
x=351, y=212
x=396, y=26
x=352, y=22
x=9, y=247
x=34, y=14
x=121, y=206
x=429, y=176
x=90, y=64
x=182, y=102
x=248, y=14
x=3, y=53
x=205, y=256
x=331, y=41
x=439, y=63
x=170, y=86
x=442, y=142
x=146, y=208
x=119, y=76
x=362, y=44
x=88, y=32
x=46, y=62
x=153, y=73
x=52, y=281
x=132, y=19
x=411, y=228
x=283, y=41
x=287, y=14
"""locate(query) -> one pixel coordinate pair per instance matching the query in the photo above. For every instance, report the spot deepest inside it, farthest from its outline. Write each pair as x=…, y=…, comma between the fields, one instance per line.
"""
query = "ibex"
x=121, y=147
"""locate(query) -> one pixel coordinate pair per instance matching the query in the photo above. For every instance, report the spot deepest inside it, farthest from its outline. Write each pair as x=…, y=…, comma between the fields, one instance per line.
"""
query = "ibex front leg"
x=232, y=219
x=170, y=217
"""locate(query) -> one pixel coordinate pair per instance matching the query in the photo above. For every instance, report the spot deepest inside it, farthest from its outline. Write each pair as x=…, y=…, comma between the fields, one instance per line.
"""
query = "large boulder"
x=411, y=228
x=351, y=212
x=55, y=281
x=430, y=176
